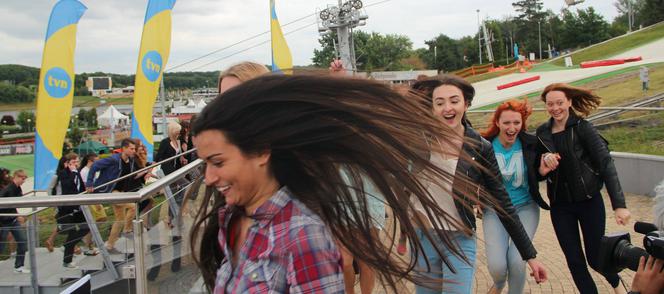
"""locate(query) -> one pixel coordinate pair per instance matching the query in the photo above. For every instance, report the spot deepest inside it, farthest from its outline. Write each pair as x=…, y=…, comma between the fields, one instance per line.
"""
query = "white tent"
x=112, y=117
x=191, y=107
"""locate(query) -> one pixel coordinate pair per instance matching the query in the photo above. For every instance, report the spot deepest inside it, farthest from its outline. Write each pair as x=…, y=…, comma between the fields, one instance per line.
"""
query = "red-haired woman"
x=516, y=153
x=576, y=163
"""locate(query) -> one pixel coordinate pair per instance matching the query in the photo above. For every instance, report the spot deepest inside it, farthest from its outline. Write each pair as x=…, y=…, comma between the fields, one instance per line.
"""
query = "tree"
x=324, y=56
x=443, y=54
x=529, y=17
x=10, y=93
x=385, y=52
x=75, y=135
x=583, y=28
x=653, y=12
x=92, y=117
x=621, y=21
x=413, y=62
x=26, y=119
x=372, y=51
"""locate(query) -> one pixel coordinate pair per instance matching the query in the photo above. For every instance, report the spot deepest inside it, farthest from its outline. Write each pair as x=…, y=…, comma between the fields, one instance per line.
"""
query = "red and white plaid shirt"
x=288, y=250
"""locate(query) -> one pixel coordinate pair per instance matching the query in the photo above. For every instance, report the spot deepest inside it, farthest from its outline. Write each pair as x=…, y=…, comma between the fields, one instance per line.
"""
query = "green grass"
x=616, y=46
x=645, y=135
x=544, y=67
x=79, y=101
x=14, y=162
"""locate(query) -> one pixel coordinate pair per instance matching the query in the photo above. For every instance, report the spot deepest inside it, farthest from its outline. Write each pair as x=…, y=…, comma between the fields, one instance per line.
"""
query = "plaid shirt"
x=288, y=250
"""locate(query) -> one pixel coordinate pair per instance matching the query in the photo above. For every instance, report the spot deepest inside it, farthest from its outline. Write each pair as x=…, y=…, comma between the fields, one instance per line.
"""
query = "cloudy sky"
x=109, y=32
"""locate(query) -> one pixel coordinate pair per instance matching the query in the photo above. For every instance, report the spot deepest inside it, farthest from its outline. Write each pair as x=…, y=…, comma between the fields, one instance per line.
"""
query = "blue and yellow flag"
x=152, y=59
x=56, y=89
x=282, y=61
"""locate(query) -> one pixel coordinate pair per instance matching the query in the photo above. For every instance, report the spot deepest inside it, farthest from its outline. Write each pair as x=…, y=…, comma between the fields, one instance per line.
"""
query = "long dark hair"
x=315, y=126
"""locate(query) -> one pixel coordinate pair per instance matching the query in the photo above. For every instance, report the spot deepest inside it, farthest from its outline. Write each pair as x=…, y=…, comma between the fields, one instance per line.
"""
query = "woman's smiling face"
x=449, y=105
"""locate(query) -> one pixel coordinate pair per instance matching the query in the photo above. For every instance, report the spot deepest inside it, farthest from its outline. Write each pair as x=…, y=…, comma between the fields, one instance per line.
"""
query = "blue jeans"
x=460, y=282
x=18, y=232
x=503, y=259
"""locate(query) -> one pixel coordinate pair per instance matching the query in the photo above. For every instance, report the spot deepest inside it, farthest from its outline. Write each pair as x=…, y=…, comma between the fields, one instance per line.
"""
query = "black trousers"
x=566, y=219
x=75, y=228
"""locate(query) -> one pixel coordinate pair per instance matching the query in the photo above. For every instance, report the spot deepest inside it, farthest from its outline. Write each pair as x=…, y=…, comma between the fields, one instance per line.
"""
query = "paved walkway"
x=560, y=280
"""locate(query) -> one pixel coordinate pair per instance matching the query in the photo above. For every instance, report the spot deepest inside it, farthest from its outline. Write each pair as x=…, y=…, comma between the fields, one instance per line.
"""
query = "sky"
x=109, y=32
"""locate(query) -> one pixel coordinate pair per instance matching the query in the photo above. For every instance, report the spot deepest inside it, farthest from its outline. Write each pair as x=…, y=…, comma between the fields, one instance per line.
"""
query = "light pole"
x=630, y=16
x=539, y=38
x=479, y=35
x=29, y=125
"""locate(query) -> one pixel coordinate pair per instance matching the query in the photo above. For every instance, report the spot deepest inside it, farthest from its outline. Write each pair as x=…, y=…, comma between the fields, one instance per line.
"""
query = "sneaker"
x=113, y=251
x=21, y=270
x=69, y=265
x=90, y=252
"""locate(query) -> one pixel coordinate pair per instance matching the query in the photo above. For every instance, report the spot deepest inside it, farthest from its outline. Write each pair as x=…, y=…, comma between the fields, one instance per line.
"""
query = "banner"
x=56, y=89
x=282, y=61
x=152, y=59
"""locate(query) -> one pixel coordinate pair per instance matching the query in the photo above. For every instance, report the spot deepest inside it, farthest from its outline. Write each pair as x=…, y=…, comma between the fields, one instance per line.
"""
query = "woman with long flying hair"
x=577, y=163
x=470, y=157
x=516, y=154
x=274, y=147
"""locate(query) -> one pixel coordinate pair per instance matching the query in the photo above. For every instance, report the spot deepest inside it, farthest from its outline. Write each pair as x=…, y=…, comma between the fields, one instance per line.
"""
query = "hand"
x=548, y=163
x=622, y=216
x=538, y=270
x=478, y=211
x=649, y=279
x=336, y=67
x=90, y=189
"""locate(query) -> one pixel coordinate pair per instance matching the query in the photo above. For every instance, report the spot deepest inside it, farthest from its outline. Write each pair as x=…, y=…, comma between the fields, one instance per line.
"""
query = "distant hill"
x=27, y=76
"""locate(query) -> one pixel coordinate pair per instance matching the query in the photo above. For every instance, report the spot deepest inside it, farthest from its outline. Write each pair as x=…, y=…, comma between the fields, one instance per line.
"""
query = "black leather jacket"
x=489, y=179
x=592, y=164
x=532, y=158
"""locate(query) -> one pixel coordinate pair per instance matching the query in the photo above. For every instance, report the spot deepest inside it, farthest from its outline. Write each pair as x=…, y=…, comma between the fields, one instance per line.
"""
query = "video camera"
x=616, y=251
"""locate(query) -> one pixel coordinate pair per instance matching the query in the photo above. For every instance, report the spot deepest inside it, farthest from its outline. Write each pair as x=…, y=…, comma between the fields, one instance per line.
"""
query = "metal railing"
x=626, y=108
x=41, y=203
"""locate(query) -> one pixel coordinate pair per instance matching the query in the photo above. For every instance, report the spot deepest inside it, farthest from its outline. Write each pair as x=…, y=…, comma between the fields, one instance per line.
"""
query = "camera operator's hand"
x=649, y=278
x=538, y=270
x=622, y=216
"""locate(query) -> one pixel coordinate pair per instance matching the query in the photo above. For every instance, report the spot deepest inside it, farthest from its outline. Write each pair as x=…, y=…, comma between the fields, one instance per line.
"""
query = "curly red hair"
x=522, y=107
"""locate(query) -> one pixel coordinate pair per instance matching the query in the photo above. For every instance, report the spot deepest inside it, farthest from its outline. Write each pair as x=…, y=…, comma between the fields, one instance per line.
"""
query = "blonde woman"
x=239, y=73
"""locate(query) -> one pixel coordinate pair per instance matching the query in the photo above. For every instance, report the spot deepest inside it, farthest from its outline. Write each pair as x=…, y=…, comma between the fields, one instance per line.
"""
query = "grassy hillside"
x=642, y=133
x=616, y=46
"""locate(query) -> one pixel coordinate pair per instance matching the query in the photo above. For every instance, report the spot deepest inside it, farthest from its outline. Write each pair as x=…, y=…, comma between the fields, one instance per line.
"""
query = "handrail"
x=155, y=187
x=98, y=198
x=143, y=169
x=599, y=108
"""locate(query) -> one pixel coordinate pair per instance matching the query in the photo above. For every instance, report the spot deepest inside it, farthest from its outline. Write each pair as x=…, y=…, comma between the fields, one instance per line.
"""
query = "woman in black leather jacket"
x=477, y=181
x=576, y=165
